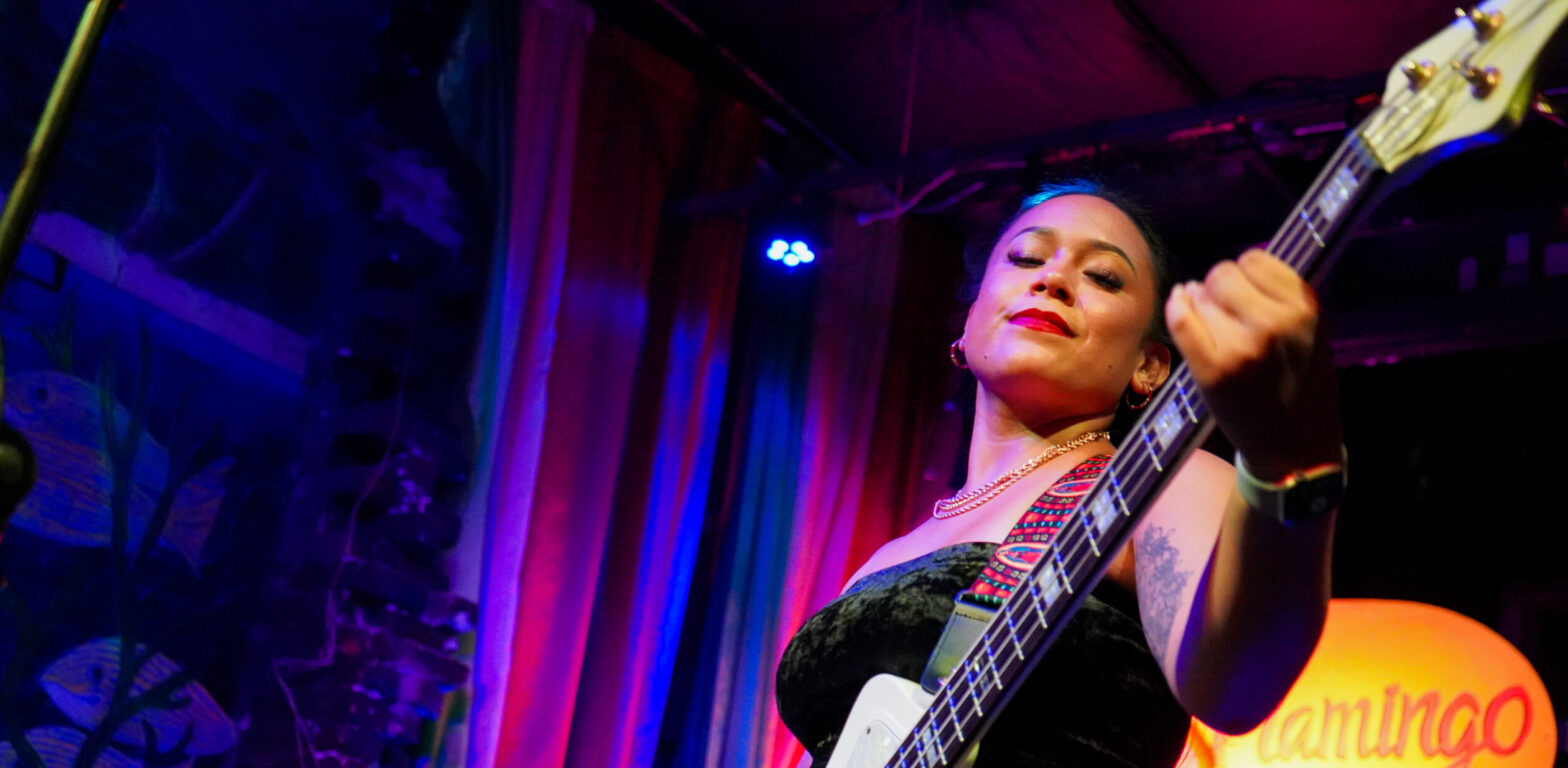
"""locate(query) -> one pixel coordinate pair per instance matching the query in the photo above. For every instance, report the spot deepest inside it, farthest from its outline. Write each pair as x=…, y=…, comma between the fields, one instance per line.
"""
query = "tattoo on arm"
x=1159, y=586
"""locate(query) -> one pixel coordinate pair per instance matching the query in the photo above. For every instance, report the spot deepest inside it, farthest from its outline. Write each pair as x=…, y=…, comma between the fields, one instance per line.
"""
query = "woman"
x=1065, y=328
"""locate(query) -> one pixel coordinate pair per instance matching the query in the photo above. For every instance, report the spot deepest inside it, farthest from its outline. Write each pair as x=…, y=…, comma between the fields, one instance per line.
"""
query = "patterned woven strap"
x=974, y=608
x=1031, y=534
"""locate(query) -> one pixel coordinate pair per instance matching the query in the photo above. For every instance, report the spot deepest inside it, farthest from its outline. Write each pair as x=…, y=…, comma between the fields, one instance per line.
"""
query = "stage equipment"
x=792, y=254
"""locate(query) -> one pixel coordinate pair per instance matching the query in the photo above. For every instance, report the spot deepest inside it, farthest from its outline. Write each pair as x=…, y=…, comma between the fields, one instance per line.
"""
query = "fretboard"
x=1176, y=422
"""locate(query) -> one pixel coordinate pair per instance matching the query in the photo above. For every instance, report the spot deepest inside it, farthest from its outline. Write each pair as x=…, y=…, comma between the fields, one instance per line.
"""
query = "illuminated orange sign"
x=1399, y=684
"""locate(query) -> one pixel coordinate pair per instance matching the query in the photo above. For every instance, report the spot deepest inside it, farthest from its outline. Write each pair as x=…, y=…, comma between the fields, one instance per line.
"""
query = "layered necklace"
x=954, y=506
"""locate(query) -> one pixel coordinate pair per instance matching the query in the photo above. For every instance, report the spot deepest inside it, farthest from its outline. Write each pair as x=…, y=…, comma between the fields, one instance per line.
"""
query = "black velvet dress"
x=1098, y=698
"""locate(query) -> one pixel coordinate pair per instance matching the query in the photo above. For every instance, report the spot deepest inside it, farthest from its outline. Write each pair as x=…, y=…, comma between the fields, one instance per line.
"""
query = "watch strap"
x=1302, y=495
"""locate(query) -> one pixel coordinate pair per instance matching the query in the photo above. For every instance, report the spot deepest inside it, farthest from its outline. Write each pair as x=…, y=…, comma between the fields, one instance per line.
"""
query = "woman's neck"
x=1003, y=438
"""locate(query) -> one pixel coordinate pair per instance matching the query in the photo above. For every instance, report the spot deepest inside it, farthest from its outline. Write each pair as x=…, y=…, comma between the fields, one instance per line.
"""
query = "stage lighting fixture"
x=793, y=254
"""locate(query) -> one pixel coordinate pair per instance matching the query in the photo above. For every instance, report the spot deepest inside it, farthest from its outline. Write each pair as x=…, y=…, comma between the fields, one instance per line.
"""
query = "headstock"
x=1468, y=83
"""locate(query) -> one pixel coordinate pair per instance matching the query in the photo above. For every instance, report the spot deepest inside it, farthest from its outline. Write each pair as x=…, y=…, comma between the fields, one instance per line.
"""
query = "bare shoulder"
x=892, y=553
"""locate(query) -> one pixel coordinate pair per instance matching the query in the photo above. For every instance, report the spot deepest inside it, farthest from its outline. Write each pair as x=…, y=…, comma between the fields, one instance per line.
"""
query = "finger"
x=1263, y=294
x=1275, y=278
x=1227, y=331
x=1186, y=325
x=1229, y=287
x=1202, y=330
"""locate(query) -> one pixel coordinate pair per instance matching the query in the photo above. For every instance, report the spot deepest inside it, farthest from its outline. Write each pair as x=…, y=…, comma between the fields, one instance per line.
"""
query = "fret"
x=1143, y=432
x=1115, y=486
x=1012, y=634
x=1059, y=572
x=990, y=655
x=1088, y=524
x=1313, y=230
x=952, y=712
x=1039, y=599
x=1182, y=395
x=974, y=694
x=927, y=748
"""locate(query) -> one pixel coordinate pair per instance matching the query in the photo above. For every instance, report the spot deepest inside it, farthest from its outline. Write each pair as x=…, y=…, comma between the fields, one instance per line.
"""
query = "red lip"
x=1043, y=321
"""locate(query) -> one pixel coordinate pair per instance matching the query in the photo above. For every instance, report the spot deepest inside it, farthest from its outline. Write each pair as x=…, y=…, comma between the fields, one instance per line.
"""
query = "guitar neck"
x=1176, y=423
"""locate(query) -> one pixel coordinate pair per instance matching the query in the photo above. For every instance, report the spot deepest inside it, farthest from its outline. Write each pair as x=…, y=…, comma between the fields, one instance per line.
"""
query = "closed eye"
x=1024, y=260
x=1107, y=280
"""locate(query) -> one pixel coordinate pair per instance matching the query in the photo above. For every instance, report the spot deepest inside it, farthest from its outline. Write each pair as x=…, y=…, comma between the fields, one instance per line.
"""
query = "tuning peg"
x=1418, y=72
x=1542, y=107
x=1482, y=81
x=1485, y=23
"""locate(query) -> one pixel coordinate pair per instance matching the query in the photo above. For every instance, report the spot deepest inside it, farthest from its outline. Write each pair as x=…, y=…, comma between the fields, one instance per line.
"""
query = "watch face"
x=1297, y=498
x=1311, y=499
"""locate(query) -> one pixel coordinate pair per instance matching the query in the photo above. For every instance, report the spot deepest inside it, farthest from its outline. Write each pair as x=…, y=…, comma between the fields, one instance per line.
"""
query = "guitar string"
x=1292, y=238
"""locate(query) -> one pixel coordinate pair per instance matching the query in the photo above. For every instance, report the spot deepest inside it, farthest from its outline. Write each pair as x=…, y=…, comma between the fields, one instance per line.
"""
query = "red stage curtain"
x=636, y=361
x=876, y=453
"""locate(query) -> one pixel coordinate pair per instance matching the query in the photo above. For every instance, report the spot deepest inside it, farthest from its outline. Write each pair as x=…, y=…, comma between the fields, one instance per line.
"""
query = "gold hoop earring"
x=954, y=350
x=1137, y=406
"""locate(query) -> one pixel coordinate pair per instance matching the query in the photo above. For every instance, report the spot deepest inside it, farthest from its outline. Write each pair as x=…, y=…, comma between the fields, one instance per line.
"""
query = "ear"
x=1152, y=369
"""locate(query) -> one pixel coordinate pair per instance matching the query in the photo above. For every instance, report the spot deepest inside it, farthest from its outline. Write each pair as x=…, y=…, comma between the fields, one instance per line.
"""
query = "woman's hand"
x=1250, y=334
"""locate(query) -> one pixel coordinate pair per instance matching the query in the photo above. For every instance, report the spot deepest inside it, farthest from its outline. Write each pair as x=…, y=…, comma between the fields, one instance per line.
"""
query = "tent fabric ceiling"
x=989, y=71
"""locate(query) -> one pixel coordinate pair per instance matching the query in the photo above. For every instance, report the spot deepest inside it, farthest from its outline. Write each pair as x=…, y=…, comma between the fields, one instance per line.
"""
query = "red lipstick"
x=1043, y=321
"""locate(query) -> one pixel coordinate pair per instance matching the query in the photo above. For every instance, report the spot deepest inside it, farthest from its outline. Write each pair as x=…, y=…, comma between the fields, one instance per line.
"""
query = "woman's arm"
x=1233, y=600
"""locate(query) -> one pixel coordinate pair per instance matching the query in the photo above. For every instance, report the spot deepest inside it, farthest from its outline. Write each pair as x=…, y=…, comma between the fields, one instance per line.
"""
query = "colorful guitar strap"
x=1008, y=567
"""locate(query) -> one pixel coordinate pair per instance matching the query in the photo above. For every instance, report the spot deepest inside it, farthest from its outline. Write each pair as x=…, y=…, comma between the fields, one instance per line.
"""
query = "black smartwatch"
x=1306, y=494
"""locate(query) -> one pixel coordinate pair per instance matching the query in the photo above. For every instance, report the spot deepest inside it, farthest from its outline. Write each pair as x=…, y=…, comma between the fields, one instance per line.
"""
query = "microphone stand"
x=18, y=466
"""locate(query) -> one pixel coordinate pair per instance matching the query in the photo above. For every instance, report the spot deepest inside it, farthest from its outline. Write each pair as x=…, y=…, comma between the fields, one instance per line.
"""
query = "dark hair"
x=978, y=252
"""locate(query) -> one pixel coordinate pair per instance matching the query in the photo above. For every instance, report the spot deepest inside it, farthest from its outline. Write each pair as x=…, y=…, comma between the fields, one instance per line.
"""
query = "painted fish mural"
x=61, y=417
x=81, y=684
x=58, y=746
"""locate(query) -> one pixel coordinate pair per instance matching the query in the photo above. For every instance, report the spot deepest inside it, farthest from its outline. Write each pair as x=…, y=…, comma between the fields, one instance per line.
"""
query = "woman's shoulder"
x=895, y=551
x=924, y=540
x=1199, y=487
x=1203, y=466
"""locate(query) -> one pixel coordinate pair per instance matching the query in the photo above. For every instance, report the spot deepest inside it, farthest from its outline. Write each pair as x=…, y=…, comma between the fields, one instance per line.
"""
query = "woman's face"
x=1064, y=309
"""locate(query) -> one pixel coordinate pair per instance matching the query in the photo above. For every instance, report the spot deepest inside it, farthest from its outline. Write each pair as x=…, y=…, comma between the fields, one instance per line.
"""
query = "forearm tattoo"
x=1159, y=586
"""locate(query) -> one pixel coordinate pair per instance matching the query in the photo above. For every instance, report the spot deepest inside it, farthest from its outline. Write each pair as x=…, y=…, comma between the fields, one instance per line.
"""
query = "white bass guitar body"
x=885, y=712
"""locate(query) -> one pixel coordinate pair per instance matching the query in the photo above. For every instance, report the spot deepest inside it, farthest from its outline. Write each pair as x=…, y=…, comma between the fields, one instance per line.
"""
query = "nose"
x=1053, y=281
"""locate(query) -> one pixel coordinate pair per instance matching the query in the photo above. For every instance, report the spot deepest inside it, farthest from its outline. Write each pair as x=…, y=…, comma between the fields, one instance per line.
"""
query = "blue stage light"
x=791, y=253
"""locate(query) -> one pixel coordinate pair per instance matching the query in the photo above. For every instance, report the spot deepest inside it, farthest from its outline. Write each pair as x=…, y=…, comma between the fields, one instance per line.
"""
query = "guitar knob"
x=1482, y=80
x=1485, y=23
x=1418, y=72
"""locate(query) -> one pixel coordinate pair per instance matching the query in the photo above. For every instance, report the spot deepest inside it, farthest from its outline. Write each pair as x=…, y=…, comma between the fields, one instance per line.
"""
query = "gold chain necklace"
x=954, y=506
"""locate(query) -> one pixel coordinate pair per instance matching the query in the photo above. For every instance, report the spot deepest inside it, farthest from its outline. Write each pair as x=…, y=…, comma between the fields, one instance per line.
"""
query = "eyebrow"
x=1094, y=245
